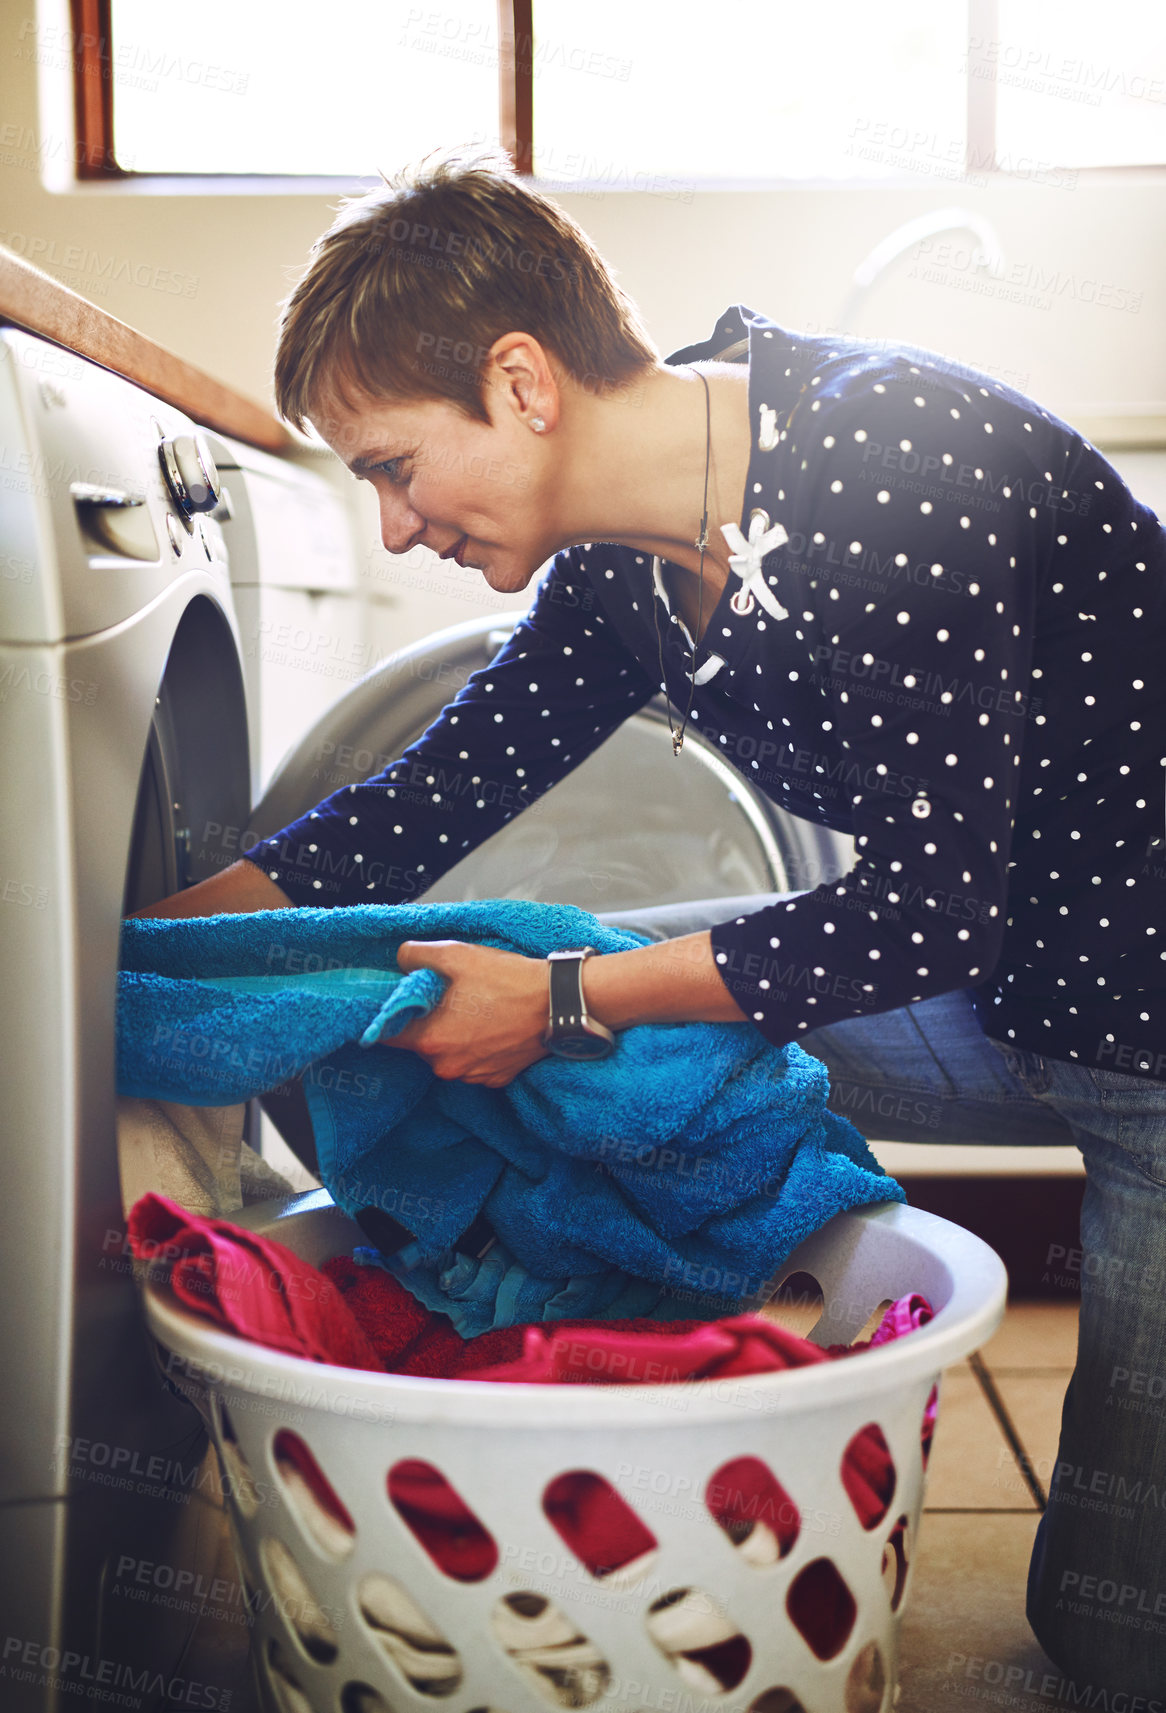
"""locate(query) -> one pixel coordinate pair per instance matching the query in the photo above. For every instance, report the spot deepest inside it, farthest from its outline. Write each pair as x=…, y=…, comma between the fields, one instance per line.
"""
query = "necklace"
x=701, y=542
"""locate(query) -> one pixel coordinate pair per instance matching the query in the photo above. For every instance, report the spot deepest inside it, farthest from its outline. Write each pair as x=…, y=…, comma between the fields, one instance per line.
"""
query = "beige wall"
x=790, y=252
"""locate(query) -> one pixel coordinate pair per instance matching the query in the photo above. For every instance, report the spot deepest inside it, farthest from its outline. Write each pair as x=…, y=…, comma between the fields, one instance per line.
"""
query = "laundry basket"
x=790, y=1606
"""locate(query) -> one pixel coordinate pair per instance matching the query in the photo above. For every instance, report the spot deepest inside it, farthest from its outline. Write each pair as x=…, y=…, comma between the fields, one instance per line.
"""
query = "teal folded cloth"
x=671, y=1178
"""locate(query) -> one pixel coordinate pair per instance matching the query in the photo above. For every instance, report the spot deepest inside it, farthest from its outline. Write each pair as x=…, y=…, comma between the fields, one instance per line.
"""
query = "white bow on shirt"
x=745, y=559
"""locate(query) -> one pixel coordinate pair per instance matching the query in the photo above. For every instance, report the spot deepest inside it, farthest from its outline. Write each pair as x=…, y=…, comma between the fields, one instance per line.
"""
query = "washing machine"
x=301, y=611
x=128, y=766
x=124, y=750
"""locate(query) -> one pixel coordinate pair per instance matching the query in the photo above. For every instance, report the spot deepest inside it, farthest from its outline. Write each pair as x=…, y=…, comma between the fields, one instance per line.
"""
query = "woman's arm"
x=491, y=1022
x=236, y=891
x=562, y=682
x=559, y=686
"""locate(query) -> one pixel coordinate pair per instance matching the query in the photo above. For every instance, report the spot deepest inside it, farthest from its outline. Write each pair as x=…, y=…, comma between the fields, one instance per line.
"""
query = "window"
x=300, y=88
x=662, y=95
x=1090, y=92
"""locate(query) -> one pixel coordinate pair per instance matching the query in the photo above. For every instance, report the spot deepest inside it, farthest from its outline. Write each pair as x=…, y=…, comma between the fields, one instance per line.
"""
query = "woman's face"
x=468, y=490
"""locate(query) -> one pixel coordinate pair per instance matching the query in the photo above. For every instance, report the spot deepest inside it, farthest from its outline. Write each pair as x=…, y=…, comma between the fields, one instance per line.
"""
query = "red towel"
x=251, y=1285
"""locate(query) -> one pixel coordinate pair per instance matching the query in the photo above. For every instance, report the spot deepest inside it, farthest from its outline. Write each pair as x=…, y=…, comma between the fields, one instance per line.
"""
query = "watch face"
x=580, y=1047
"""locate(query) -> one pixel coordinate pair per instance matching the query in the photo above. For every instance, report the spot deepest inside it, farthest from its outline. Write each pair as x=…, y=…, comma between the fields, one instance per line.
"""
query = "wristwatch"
x=571, y=1033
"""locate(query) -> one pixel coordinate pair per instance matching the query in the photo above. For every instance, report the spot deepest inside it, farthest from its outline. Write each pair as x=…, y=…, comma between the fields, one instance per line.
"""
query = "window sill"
x=667, y=189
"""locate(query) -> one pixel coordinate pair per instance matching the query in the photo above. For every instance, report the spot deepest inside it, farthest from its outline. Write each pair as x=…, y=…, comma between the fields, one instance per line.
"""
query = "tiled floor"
x=966, y=1606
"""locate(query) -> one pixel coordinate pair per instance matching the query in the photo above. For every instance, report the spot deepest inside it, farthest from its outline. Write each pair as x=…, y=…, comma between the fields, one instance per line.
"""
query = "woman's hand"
x=491, y=1019
x=491, y=1022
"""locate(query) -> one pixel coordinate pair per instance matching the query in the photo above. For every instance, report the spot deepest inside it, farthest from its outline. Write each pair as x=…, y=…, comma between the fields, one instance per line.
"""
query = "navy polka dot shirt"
x=943, y=634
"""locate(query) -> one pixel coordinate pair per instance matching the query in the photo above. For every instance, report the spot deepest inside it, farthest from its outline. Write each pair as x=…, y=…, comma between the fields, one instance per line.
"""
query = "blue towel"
x=671, y=1178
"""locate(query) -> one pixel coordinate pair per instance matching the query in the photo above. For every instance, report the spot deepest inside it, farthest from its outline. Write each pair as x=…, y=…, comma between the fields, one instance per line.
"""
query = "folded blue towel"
x=674, y=1176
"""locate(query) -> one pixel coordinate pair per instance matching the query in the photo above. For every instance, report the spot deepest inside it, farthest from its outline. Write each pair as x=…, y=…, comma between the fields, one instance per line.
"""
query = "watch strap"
x=567, y=1007
x=569, y=1025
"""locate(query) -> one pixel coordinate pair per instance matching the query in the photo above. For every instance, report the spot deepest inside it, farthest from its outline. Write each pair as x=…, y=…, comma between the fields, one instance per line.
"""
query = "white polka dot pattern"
x=966, y=675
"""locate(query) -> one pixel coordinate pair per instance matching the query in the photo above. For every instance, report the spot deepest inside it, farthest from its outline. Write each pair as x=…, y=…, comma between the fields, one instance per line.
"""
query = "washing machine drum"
x=194, y=784
x=625, y=829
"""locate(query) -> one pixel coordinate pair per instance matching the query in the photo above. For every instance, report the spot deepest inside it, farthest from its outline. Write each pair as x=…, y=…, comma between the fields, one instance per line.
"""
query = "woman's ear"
x=524, y=381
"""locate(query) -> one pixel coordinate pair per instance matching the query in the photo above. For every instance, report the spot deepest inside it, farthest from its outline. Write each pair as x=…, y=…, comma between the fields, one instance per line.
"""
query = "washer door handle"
x=101, y=494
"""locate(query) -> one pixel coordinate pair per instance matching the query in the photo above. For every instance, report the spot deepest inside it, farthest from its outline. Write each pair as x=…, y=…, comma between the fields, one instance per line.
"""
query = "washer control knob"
x=190, y=473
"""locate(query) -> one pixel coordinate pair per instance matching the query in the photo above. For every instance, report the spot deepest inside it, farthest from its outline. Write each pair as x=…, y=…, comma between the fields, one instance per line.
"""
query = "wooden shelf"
x=34, y=300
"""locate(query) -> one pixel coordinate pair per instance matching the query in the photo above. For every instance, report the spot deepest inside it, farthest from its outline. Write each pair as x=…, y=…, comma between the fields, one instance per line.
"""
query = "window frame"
x=93, y=83
x=97, y=164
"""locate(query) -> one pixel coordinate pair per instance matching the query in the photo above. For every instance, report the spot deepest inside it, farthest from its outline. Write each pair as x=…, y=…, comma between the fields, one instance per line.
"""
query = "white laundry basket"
x=353, y=1615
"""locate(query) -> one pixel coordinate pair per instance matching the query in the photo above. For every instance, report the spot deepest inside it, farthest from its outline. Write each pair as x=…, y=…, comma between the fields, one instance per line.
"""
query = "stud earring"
x=537, y=423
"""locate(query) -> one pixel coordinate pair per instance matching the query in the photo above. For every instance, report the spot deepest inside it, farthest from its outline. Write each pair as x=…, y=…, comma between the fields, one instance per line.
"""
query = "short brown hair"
x=412, y=284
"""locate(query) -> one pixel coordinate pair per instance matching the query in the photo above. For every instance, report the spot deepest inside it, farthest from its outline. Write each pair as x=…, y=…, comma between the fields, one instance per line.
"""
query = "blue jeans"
x=928, y=1073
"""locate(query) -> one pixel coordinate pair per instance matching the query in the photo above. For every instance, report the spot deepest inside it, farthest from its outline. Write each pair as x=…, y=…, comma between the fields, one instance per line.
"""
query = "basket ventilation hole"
x=796, y=1304
x=298, y=1604
x=603, y=1532
x=776, y=1701
x=868, y=1474
x=285, y=1686
x=821, y=1607
x=311, y=1498
x=420, y=1652
x=362, y=1698
x=895, y=1559
x=238, y=1481
x=441, y=1521
x=705, y=1646
x=866, y=1682
x=927, y=1431
x=550, y=1651
x=873, y=1321
x=754, y=1510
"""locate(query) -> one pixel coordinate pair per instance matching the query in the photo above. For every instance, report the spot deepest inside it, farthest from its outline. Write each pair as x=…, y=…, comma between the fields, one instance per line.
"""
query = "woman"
x=903, y=600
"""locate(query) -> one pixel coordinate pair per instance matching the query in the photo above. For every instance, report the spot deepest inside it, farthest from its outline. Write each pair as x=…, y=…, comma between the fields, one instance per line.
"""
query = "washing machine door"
x=193, y=787
x=708, y=835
